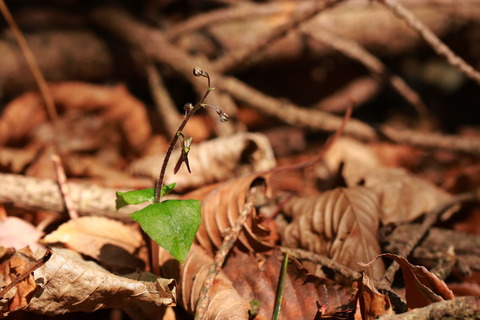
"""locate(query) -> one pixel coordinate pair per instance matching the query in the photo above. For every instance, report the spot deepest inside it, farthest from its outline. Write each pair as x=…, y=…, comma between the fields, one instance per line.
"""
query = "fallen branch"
x=158, y=48
x=459, y=308
x=44, y=194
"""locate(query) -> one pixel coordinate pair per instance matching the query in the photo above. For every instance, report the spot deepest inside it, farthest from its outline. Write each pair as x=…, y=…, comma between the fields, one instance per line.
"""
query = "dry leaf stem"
x=438, y=46
x=324, y=261
x=227, y=244
x=64, y=187
x=427, y=223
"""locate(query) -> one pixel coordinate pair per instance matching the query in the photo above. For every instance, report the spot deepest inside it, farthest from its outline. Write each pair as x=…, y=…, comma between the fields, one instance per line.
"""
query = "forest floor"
x=344, y=185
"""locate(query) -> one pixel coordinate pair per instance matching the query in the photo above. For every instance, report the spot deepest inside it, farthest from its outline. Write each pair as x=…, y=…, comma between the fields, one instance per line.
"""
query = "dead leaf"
x=372, y=303
x=72, y=285
x=18, y=233
x=421, y=286
x=212, y=161
x=15, y=160
x=304, y=294
x=340, y=224
x=224, y=300
x=221, y=207
x=110, y=242
x=13, y=265
x=27, y=112
x=404, y=197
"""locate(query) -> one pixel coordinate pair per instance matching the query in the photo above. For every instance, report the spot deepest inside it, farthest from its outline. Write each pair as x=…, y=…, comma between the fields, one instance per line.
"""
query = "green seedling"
x=171, y=223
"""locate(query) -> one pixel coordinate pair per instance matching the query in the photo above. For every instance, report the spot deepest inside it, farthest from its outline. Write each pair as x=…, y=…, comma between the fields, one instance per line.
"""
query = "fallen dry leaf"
x=70, y=284
x=221, y=206
x=13, y=265
x=27, y=112
x=403, y=196
x=212, y=161
x=341, y=224
x=372, y=303
x=421, y=286
x=303, y=296
x=110, y=242
x=224, y=300
x=18, y=233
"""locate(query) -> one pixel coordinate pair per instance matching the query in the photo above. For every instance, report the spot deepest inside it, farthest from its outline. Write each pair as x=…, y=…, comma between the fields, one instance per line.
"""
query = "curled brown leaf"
x=341, y=224
x=421, y=286
x=221, y=207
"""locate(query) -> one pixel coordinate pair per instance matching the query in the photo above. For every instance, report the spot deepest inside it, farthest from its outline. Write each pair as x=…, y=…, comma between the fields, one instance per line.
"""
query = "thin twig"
x=355, y=51
x=64, y=188
x=430, y=219
x=438, y=46
x=248, y=10
x=167, y=112
x=324, y=261
x=359, y=90
x=227, y=244
x=237, y=57
x=32, y=63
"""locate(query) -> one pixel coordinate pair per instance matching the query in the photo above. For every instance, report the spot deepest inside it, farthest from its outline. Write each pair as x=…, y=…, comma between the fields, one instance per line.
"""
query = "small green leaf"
x=172, y=224
x=139, y=196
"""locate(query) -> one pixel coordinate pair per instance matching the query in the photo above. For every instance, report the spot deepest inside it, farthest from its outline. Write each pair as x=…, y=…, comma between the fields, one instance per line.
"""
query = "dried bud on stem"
x=222, y=115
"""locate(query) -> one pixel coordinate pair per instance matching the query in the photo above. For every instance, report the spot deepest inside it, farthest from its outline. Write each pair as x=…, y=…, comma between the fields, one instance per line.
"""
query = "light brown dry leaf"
x=24, y=114
x=304, y=294
x=212, y=161
x=110, y=242
x=403, y=197
x=221, y=207
x=18, y=233
x=14, y=264
x=72, y=285
x=224, y=303
x=340, y=224
x=372, y=303
x=421, y=286
x=15, y=160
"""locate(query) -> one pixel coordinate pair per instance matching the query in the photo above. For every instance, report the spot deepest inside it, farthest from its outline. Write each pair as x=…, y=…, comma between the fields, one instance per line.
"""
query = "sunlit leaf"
x=139, y=196
x=172, y=224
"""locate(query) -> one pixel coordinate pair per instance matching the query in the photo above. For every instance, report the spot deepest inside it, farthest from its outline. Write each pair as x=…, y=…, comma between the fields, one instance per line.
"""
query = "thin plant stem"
x=281, y=285
x=190, y=113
